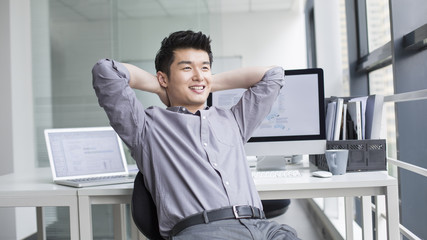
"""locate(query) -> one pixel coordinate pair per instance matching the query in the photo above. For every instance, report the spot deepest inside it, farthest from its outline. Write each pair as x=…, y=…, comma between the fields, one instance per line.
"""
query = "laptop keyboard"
x=104, y=179
x=275, y=174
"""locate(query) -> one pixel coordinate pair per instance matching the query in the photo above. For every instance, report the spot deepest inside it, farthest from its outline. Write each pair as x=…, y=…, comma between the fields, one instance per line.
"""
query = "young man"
x=192, y=157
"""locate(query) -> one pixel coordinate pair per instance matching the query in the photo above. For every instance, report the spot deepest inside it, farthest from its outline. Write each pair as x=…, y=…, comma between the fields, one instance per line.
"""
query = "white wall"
x=7, y=215
x=6, y=146
x=17, y=151
x=263, y=38
x=328, y=45
x=258, y=38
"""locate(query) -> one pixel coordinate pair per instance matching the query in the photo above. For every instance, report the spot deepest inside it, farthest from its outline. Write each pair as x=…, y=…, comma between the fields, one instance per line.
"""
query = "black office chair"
x=143, y=210
x=274, y=208
x=144, y=213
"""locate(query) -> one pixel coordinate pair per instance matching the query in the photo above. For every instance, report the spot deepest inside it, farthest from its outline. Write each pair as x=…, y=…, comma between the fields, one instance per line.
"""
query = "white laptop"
x=81, y=157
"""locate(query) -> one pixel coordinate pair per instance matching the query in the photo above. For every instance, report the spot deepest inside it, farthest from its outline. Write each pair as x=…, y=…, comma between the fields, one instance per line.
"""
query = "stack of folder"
x=354, y=118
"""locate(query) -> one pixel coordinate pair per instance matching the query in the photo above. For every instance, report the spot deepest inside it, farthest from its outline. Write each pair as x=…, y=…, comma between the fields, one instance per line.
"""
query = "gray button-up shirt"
x=190, y=162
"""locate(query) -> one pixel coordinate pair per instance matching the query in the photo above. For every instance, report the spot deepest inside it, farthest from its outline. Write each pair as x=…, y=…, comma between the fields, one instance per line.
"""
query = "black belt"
x=233, y=212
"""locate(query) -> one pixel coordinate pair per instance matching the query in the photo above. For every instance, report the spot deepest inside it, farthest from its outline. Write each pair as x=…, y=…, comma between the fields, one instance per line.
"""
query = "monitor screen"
x=296, y=122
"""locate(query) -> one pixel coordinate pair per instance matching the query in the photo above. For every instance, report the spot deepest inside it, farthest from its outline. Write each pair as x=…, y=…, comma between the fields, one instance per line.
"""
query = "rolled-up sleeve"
x=125, y=112
x=257, y=101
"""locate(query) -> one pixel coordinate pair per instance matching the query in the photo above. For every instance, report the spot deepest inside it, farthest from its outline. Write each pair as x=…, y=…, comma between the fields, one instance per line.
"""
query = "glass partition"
x=70, y=36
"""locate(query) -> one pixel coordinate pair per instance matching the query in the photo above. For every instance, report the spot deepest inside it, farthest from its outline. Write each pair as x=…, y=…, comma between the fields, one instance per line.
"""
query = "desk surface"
x=35, y=188
x=350, y=180
x=307, y=186
x=40, y=181
x=37, y=182
x=305, y=182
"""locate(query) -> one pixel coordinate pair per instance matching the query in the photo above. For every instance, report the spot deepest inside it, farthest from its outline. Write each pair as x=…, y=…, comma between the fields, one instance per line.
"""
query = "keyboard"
x=97, y=181
x=275, y=174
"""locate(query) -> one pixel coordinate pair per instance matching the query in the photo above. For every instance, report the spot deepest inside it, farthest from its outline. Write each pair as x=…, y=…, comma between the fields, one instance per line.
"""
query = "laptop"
x=83, y=157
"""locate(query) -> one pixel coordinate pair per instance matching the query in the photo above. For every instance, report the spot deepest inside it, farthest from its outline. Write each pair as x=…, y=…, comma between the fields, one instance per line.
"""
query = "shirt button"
x=215, y=164
x=227, y=183
x=204, y=117
x=205, y=144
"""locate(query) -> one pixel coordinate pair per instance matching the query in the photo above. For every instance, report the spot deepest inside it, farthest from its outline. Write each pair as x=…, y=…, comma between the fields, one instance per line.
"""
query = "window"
x=381, y=80
x=378, y=19
x=378, y=30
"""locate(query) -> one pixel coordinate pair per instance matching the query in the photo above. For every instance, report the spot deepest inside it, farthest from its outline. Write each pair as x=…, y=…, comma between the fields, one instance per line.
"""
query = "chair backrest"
x=143, y=210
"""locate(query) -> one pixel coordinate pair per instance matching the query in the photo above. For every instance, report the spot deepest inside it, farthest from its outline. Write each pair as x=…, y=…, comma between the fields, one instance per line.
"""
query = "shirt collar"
x=184, y=110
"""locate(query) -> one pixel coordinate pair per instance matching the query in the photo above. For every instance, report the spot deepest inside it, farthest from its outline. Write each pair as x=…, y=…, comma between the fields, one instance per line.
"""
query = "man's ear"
x=162, y=78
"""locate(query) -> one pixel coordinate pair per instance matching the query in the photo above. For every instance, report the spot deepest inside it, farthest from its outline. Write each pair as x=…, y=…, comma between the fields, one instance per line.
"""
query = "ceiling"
x=93, y=10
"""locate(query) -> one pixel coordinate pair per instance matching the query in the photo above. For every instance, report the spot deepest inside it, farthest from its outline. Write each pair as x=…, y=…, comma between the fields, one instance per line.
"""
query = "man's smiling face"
x=189, y=81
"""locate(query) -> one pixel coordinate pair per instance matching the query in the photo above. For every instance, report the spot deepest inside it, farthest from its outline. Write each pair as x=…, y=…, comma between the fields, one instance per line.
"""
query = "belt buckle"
x=236, y=212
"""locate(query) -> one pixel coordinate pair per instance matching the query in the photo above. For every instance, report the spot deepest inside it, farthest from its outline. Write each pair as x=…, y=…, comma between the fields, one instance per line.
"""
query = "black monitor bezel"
x=321, y=97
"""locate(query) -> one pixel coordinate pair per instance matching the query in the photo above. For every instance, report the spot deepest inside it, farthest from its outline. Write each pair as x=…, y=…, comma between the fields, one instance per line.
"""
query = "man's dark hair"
x=180, y=40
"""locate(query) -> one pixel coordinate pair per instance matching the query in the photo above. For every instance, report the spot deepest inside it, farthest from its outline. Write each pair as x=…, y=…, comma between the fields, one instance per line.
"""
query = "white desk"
x=118, y=195
x=349, y=185
x=36, y=189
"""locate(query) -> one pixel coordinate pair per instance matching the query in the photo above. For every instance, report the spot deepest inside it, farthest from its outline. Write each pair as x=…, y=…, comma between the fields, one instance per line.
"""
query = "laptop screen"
x=84, y=152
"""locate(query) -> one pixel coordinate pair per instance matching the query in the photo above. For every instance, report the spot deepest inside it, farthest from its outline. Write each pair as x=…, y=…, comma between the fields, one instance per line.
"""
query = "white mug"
x=337, y=160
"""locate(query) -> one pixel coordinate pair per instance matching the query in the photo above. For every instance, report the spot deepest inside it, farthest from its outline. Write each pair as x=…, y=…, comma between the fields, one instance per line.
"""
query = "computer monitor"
x=296, y=122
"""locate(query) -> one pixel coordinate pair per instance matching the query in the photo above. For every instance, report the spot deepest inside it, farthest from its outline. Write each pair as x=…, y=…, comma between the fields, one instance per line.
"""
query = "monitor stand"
x=271, y=163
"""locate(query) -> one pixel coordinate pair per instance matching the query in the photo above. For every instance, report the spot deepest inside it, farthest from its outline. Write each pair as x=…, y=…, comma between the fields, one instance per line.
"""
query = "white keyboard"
x=275, y=174
x=97, y=181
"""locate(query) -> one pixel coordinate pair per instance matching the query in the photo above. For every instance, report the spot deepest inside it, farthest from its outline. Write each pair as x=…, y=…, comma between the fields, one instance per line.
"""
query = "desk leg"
x=349, y=215
x=119, y=215
x=74, y=221
x=85, y=217
x=392, y=202
x=41, y=230
x=367, y=218
x=380, y=222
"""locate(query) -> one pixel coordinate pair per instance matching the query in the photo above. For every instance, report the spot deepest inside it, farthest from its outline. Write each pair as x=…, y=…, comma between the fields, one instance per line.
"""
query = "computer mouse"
x=321, y=174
